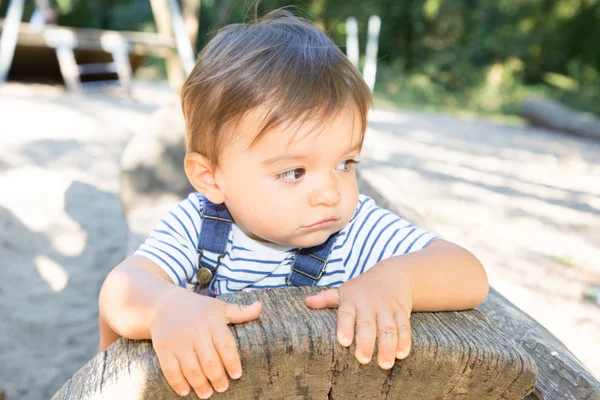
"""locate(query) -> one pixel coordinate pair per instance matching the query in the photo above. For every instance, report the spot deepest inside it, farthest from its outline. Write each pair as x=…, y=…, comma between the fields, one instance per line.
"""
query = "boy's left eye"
x=294, y=175
x=345, y=165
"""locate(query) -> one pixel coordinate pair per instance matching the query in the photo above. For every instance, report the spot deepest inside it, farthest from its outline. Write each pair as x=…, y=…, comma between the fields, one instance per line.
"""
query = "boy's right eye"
x=292, y=175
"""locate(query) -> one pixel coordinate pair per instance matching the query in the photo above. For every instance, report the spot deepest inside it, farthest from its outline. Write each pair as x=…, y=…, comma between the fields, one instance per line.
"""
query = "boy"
x=275, y=117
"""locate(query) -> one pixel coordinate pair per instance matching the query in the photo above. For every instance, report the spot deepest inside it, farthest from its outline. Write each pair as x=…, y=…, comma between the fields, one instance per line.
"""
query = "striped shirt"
x=373, y=234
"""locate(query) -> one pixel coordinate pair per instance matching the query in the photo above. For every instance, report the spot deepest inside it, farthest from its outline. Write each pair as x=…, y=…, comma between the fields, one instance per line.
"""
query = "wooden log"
x=141, y=43
x=291, y=352
x=46, y=66
x=561, y=374
x=554, y=115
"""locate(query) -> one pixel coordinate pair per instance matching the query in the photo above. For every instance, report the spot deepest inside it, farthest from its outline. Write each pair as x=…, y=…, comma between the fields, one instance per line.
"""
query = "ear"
x=201, y=174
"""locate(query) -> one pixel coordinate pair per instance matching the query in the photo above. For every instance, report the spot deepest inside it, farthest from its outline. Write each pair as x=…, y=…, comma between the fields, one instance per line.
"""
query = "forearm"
x=443, y=276
x=129, y=298
x=107, y=335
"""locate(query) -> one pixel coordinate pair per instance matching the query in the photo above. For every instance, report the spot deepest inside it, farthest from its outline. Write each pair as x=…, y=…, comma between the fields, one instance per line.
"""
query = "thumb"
x=239, y=313
x=326, y=299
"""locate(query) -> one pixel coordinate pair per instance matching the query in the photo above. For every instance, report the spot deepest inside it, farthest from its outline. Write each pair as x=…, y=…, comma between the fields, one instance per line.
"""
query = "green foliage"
x=482, y=55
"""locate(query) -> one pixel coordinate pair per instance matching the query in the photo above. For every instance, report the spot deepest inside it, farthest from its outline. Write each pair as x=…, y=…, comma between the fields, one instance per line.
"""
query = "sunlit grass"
x=494, y=92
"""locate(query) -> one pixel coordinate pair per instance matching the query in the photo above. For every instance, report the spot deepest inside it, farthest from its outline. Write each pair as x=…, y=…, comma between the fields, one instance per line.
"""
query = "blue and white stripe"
x=373, y=234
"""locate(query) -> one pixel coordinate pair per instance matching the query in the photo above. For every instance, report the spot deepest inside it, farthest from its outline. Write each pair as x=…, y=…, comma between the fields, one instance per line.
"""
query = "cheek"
x=262, y=197
x=350, y=195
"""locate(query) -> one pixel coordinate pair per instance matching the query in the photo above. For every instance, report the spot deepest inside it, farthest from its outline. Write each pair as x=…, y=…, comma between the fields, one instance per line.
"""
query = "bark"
x=561, y=374
x=291, y=352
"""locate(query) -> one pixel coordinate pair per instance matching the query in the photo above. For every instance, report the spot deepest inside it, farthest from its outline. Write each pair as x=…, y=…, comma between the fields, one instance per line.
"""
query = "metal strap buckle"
x=316, y=278
x=204, y=275
x=202, y=215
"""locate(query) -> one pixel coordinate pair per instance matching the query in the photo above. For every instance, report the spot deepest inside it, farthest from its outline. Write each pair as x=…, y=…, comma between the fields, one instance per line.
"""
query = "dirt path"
x=525, y=201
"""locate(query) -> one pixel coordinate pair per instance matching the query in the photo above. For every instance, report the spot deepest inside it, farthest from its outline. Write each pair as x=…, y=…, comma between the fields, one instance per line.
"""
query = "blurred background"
x=485, y=130
x=476, y=55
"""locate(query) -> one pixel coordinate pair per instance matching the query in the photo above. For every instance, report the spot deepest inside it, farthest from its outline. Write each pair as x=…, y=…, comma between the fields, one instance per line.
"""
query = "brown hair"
x=281, y=62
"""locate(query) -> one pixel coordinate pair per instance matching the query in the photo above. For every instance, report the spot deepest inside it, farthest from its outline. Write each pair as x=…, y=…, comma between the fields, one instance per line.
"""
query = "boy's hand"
x=378, y=303
x=193, y=343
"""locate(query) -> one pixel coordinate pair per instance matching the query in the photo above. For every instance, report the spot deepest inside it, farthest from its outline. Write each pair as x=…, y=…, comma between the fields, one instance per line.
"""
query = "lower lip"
x=322, y=225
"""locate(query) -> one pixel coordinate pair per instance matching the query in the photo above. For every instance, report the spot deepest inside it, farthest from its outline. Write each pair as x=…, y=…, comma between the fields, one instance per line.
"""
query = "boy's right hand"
x=193, y=343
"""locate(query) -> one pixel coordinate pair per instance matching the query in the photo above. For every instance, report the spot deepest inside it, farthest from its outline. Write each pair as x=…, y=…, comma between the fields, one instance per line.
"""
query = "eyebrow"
x=289, y=157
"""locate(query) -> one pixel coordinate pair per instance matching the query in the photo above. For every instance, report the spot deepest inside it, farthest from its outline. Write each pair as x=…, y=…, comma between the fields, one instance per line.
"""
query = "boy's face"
x=290, y=189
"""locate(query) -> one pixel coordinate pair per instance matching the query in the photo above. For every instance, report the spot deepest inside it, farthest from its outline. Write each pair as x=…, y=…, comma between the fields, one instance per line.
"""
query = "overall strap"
x=309, y=264
x=307, y=267
x=214, y=234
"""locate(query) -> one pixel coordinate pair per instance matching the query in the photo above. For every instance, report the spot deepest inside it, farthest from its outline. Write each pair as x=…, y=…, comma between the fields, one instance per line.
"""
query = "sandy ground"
x=62, y=226
x=525, y=201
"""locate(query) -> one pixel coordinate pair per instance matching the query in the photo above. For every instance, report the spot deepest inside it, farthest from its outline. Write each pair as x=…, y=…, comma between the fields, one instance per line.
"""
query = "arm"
x=442, y=277
x=189, y=332
x=132, y=291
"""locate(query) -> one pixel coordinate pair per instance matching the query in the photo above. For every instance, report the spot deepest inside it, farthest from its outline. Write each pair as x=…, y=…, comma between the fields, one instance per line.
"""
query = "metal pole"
x=8, y=40
x=371, y=54
x=352, y=41
x=184, y=47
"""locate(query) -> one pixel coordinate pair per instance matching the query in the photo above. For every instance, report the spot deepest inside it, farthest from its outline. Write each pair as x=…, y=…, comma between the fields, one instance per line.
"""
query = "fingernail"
x=386, y=365
x=400, y=354
x=364, y=360
x=205, y=395
x=236, y=375
x=221, y=389
x=344, y=341
x=184, y=392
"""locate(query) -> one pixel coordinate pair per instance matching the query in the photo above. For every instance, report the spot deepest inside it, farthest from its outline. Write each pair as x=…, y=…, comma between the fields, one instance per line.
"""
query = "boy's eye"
x=345, y=165
x=292, y=174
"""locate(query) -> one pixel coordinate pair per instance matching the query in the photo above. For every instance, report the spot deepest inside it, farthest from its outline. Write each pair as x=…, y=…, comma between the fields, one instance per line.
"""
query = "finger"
x=188, y=361
x=172, y=372
x=346, y=317
x=212, y=365
x=404, y=334
x=228, y=352
x=387, y=340
x=239, y=313
x=326, y=299
x=366, y=331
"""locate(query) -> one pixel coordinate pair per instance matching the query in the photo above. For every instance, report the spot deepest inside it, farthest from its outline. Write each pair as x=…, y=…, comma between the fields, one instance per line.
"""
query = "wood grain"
x=291, y=352
x=561, y=375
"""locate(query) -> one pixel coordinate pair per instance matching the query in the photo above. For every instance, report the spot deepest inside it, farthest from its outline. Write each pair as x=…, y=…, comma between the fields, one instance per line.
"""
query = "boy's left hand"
x=378, y=303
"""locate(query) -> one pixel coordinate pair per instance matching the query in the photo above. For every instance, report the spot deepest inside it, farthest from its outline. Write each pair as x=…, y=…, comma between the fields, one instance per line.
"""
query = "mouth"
x=324, y=223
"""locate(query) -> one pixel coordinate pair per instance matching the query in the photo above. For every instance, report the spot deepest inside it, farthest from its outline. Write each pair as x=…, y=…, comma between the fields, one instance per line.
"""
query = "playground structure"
x=76, y=52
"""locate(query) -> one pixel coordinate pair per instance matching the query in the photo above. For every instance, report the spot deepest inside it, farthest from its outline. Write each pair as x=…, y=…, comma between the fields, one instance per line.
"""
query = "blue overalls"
x=307, y=267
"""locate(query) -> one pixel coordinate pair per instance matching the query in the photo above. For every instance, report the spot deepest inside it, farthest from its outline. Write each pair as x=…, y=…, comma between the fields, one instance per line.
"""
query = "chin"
x=313, y=239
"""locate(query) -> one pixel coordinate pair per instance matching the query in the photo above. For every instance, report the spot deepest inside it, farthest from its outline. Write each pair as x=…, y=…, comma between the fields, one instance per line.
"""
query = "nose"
x=326, y=193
